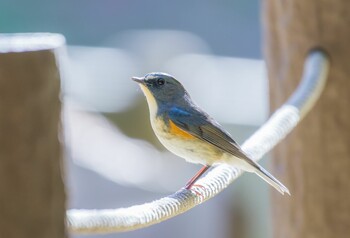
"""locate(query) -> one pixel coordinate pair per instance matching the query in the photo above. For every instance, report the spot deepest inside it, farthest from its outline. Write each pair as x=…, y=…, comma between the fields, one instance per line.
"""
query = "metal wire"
x=273, y=131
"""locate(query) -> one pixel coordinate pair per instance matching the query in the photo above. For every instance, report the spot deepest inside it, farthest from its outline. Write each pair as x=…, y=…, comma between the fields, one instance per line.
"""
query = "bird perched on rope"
x=189, y=132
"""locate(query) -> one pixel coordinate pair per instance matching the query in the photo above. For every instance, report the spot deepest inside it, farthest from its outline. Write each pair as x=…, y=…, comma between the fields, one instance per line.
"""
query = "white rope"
x=272, y=132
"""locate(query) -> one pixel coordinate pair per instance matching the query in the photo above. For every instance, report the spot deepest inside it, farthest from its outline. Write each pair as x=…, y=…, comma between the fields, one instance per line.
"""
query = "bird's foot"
x=196, y=191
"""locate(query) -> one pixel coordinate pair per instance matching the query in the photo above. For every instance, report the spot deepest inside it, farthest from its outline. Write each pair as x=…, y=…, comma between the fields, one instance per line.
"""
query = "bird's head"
x=163, y=87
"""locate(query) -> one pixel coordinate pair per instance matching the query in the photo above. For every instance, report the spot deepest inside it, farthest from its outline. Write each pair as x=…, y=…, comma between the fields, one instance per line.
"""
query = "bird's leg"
x=197, y=176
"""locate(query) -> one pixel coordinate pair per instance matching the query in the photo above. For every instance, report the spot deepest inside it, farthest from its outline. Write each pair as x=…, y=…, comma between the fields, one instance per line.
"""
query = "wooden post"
x=32, y=198
x=314, y=161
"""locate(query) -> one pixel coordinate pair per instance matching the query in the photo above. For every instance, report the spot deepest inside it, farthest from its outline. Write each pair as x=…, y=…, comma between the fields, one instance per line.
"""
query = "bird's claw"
x=195, y=191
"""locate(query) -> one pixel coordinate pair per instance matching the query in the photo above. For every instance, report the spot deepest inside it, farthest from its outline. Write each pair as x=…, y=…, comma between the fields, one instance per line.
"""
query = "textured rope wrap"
x=262, y=141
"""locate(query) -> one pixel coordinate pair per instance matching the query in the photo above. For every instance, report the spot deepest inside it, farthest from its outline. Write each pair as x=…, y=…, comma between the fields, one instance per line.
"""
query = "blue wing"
x=202, y=126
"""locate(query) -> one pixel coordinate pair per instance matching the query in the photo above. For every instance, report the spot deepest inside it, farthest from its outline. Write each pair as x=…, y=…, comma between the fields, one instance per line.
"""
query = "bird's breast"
x=184, y=144
x=167, y=129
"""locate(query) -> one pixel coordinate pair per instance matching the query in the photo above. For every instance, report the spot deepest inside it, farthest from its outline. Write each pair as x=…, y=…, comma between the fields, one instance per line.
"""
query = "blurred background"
x=112, y=157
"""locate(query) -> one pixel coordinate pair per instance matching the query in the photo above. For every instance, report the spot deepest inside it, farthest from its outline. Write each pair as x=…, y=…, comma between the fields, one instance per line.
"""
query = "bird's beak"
x=140, y=80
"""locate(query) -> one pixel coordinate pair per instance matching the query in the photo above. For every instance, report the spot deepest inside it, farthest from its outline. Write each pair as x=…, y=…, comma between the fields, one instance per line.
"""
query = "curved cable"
x=263, y=140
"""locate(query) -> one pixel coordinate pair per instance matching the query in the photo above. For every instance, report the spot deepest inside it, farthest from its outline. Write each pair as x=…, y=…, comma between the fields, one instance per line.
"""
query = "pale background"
x=113, y=159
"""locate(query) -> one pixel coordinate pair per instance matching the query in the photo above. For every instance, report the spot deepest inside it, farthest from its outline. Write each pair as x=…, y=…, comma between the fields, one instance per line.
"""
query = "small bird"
x=189, y=132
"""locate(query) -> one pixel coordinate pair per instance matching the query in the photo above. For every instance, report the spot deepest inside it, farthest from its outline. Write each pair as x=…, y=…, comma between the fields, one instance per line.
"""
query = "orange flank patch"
x=175, y=130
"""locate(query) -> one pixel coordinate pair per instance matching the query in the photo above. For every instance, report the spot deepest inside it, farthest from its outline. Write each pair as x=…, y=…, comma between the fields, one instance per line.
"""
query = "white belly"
x=192, y=150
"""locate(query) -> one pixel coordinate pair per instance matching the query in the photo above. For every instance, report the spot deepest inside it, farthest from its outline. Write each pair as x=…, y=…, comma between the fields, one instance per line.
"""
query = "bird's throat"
x=152, y=103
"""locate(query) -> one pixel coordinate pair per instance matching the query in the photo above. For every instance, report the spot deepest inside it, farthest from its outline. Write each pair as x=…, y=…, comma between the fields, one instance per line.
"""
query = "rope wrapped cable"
x=263, y=140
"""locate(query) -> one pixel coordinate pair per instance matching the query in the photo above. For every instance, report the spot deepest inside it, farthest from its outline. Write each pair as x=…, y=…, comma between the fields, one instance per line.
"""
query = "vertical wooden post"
x=32, y=198
x=314, y=161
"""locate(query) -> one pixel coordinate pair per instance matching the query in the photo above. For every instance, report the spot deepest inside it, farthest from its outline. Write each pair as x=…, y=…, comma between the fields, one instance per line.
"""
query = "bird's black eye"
x=160, y=81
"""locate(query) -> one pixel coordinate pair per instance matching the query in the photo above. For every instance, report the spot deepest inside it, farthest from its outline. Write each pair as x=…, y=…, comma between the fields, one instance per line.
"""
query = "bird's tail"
x=262, y=173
